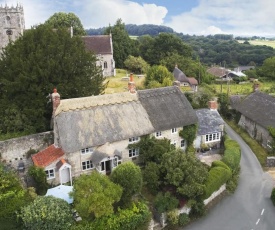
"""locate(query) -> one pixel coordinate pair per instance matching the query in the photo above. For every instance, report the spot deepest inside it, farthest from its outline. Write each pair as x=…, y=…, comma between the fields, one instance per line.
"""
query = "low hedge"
x=217, y=176
x=232, y=154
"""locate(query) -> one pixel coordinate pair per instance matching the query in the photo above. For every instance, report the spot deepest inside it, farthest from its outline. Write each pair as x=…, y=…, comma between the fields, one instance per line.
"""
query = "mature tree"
x=136, y=64
x=12, y=194
x=122, y=43
x=47, y=212
x=151, y=177
x=32, y=66
x=94, y=195
x=268, y=69
x=159, y=74
x=66, y=20
x=185, y=172
x=39, y=176
x=162, y=46
x=129, y=177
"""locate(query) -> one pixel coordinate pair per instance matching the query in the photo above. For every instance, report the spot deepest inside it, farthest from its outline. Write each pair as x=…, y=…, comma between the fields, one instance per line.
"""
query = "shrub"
x=165, y=202
x=197, y=208
x=39, y=176
x=272, y=197
x=151, y=175
x=217, y=176
x=232, y=154
x=183, y=219
x=173, y=217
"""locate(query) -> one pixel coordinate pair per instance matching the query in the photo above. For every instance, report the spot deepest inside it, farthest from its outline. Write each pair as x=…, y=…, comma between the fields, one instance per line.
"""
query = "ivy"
x=189, y=133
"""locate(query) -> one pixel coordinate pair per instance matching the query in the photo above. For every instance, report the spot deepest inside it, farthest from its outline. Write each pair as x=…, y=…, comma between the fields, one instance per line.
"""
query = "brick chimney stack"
x=131, y=84
x=212, y=105
x=256, y=87
x=55, y=97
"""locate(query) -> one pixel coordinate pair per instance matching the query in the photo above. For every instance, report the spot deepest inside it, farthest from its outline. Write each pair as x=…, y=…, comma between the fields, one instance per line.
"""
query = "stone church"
x=12, y=23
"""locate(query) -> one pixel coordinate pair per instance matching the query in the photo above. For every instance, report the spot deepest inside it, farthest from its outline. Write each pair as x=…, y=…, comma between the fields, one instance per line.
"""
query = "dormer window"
x=133, y=139
x=87, y=150
x=158, y=134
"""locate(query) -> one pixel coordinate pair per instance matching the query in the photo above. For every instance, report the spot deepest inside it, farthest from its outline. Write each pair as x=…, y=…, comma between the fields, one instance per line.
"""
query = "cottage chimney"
x=55, y=100
x=212, y=105
x=131, y=84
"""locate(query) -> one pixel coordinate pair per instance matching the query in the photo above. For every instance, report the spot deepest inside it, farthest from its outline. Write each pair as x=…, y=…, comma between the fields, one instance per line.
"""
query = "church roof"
x=99, y=44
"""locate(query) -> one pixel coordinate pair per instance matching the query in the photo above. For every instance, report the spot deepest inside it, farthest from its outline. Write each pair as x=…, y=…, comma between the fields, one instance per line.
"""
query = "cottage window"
x=133, y=152
x=116, y=162
x=50, y=174
x=174, y=130
x=87, y=150
x=133, y=139
x=268, y=144
x=174, y=143
x=105, y=65
x=182, y=143
x=158, y=134
x=86, y=165
x=212, y=137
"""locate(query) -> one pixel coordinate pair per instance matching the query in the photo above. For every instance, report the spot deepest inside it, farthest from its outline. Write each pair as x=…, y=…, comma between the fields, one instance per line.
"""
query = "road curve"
x=250, y=207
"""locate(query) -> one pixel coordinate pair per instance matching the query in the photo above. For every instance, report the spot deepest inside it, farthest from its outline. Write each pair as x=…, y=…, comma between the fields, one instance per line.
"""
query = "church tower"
x=12, y=24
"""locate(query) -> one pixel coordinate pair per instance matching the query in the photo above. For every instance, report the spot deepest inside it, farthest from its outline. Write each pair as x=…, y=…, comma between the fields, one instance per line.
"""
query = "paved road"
x=250, y=207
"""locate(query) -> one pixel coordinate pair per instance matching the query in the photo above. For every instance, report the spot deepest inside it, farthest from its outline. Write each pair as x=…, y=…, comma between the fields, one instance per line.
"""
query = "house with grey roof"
x=102, y=47
x=210, y=127
x=257, y=115
x=94, y=132
x=184, y=80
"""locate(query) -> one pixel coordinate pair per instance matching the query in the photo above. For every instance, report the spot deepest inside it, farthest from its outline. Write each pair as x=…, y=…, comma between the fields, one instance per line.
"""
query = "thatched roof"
x=210, y=121
x=258, y=107
x=93, y=121
x=179, y=75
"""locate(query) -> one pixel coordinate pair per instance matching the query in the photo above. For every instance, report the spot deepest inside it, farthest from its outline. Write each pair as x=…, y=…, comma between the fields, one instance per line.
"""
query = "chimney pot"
x=213, y=105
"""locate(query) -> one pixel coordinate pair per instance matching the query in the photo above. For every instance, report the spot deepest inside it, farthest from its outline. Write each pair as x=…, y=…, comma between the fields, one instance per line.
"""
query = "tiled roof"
x=47, y=156
x=99, y=44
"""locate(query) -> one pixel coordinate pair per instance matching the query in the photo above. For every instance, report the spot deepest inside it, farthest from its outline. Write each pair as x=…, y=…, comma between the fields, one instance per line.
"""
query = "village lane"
x=250, y=207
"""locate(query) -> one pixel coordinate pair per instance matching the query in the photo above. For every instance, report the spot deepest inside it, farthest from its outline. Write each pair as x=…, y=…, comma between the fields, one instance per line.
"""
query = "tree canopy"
x=158, y=76
x=47, y=212
x=66, y=20
x=32, y=66
x=94, y=195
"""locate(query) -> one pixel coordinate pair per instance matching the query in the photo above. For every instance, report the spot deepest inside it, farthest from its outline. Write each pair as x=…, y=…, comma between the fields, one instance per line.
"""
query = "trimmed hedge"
x=218, y=175
x=232, y=154
x=135, y=218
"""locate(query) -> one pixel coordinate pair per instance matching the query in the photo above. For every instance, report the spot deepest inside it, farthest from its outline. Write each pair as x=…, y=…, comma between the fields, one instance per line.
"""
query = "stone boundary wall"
x=15, y=150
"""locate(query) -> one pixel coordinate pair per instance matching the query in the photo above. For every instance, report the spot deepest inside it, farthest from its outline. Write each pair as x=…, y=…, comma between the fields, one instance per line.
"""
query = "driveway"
x=250, y=207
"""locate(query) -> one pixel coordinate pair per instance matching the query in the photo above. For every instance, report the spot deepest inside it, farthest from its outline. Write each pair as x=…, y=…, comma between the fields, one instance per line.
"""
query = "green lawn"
x=260, y=43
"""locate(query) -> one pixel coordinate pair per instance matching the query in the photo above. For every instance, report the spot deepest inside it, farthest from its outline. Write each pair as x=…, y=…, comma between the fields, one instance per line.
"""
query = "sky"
x=199, y=17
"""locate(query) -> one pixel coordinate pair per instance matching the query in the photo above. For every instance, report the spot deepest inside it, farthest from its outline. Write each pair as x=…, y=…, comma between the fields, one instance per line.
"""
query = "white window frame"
x=87, y=164
x=133, y=139
x=87, y=150
x=158, y=134
x=116, y=162
x=133, y=152
x=174, y=143
x=211, y=137
x=50, y=173
x=268, y=144
x=174, y=130
x=182, y=143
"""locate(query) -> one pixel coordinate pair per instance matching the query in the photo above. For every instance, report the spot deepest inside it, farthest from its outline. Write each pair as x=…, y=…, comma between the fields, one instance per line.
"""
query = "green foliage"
x=267, y=69
x=232, y=154
x=32, y=66
x=223, y=100
x=46, y=212
x=185, y=172
x=173, y=217
x=272, y=134
x=165, y=202
x=39, y=176
x=152, y=149
x=189, y=134
x=183, y=219
x=272, y=197
x=12, y=195
x=218, y=175
x=151, y=177
x=135, y=217
x=122, y=43
x=136, y=64
x=94, y=195
x=159, y=74
x=66, y=20
x=201, y=98
x=129, y=177
x=197, y=208
x=30, y=152
x=232, y=183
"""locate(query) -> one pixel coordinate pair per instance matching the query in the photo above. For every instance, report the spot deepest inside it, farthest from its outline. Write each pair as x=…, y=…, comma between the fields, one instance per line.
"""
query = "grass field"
x=260, y=43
